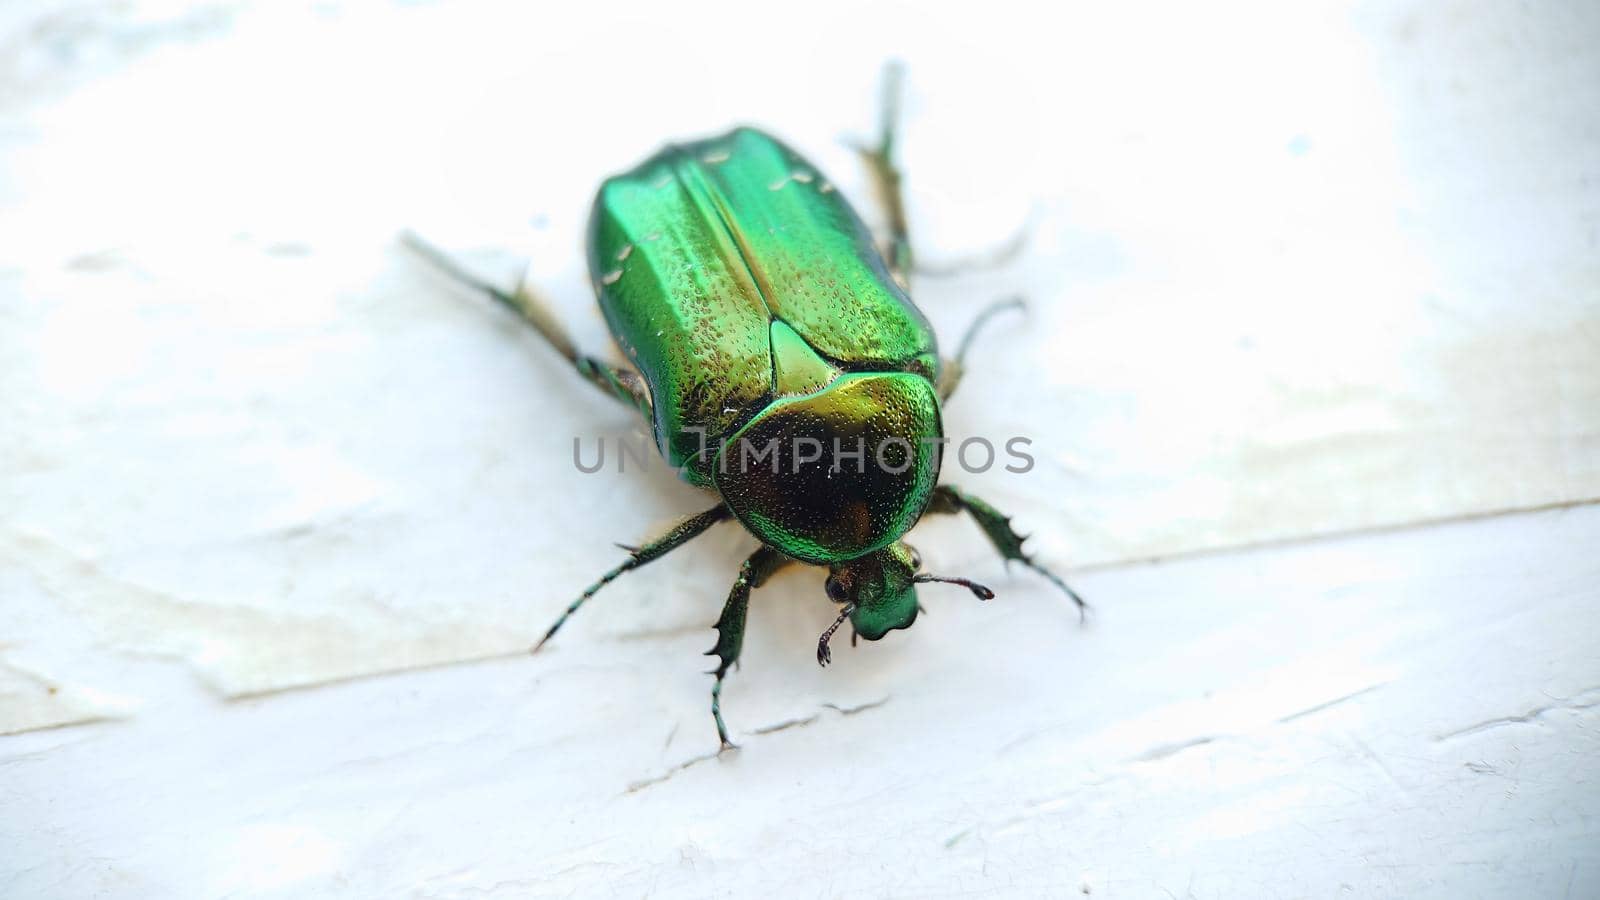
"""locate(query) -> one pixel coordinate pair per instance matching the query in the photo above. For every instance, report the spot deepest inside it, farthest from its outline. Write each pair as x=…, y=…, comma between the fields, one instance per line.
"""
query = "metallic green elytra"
x=781, y=365
x=751, y=299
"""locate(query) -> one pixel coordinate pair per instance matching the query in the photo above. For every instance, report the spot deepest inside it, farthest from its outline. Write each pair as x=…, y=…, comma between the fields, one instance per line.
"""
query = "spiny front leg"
x=638, y=556
x=997, y=527
x=730, y=625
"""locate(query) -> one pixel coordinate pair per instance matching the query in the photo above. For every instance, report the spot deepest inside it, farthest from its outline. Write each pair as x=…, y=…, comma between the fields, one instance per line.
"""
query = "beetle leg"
x=730, y=625
x=997, y=527
x=951, y=370
x=623, y=384
x=886, y=175
x=996, y=257
x=673, y=539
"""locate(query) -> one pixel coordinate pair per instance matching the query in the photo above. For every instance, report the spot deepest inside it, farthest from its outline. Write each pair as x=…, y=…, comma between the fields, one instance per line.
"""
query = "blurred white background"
x=1294, y=272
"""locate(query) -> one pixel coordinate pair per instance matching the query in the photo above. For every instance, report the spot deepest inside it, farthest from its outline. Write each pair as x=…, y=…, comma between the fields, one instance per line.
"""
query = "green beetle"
x=760, y=316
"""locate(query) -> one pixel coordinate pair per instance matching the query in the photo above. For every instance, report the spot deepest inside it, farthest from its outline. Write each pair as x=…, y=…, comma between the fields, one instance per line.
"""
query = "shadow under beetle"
x=758, y=314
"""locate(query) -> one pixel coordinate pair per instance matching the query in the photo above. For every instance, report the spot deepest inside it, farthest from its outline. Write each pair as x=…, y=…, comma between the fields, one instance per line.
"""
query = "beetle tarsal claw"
x=824, y=655
x=546, y=639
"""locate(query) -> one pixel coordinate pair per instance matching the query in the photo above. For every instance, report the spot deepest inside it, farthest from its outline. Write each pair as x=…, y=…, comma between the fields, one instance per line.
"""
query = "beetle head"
x=879, y=593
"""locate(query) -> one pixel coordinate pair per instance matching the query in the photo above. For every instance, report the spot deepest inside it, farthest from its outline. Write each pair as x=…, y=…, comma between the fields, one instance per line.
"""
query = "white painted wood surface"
x=1403, y=714
x=1334, y=277
x=279, y=511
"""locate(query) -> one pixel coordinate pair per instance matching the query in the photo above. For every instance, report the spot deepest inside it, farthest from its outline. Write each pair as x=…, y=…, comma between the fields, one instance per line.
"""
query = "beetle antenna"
x=982, y=593
x=824, y=655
